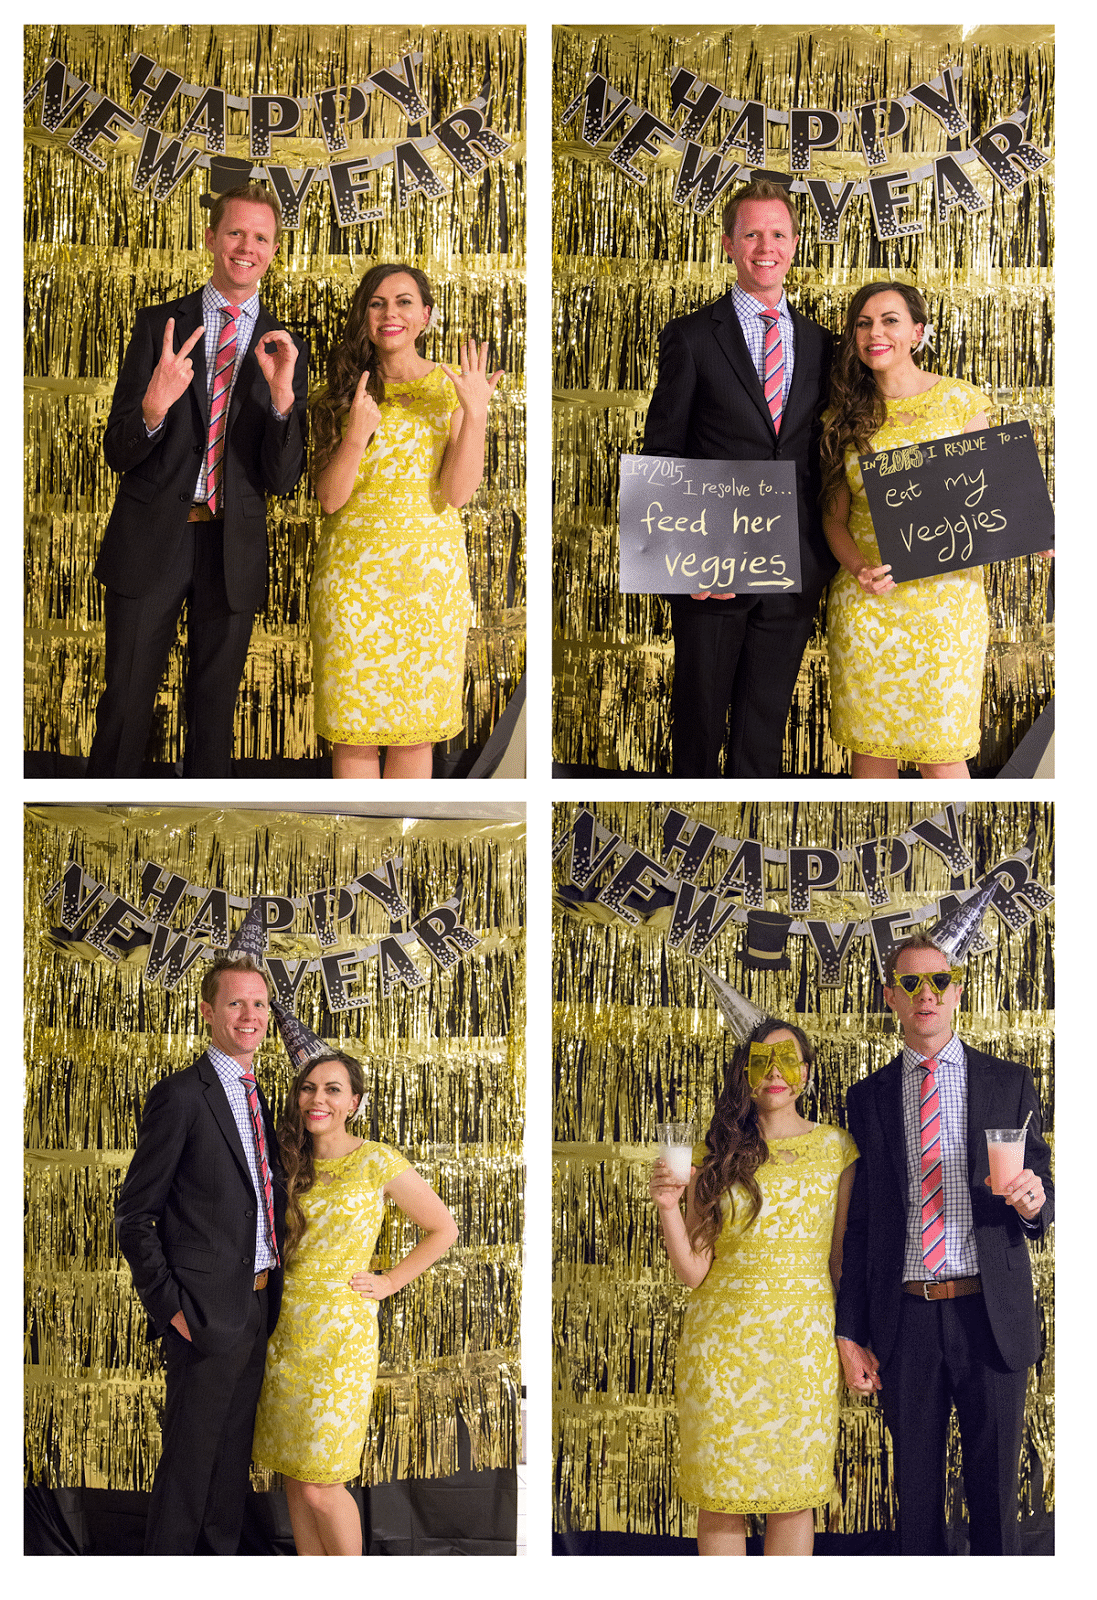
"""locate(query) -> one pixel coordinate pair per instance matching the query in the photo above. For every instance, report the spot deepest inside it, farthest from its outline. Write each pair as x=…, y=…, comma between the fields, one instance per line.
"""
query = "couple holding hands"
x=881, y=1252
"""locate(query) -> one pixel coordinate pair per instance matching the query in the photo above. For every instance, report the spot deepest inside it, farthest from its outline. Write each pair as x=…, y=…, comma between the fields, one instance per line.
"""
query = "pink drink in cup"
x=1006, y=1154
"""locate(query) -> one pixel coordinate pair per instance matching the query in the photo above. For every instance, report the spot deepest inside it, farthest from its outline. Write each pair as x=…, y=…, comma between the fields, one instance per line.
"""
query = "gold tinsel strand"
x=627, y=259
x=447, y=1087
x=96, y=250
x=637, y=1040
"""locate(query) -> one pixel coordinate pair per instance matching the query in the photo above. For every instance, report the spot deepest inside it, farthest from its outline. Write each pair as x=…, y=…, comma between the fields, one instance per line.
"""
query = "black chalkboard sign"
x=690, y=526
x=959, y=502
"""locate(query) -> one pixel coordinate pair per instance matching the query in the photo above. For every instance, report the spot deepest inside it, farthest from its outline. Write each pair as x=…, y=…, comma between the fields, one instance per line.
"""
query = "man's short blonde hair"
x=256, y=194
x=759, y=189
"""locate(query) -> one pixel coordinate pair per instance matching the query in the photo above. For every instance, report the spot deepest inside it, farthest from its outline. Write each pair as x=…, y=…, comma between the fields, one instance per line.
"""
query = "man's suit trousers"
x=746, y=659
x=139, y=635
x=197, y=1501
x=945, y=1355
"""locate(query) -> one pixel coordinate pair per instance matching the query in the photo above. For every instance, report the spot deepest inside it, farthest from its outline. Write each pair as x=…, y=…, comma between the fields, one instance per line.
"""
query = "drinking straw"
x=1025, y=1124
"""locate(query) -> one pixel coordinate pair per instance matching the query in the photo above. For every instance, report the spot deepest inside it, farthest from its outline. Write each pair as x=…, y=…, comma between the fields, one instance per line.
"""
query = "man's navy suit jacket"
x=262, y=456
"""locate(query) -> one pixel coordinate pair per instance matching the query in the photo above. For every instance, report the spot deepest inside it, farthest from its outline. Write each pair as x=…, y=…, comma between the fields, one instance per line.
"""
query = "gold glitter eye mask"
x=786, y=1056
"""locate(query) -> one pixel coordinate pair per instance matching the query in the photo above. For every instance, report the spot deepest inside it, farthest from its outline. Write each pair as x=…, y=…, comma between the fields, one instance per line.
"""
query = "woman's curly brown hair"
x=856, y=409
x=350, y=358
x=295, y=1144
x=736, y=1148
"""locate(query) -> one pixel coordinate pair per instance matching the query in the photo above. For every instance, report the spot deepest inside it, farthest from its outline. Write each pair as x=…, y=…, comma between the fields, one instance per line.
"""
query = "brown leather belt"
x=260, y=1281
x=949, y=1289
x=200, y=512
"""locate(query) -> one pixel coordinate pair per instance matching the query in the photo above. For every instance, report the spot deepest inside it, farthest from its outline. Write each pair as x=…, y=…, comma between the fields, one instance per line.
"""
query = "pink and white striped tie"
x=933, y=1203
x=773, y=369
x=223, y=364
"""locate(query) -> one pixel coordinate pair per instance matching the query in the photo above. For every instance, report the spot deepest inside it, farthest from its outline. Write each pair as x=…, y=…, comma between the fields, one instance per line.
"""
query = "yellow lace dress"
x=322, y=1356
x=906, y=667
x=390, y=608
x=757, y=1372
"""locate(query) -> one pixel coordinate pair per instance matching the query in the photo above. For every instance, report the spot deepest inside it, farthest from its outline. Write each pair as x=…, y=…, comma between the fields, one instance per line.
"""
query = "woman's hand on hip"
x=372, y=1285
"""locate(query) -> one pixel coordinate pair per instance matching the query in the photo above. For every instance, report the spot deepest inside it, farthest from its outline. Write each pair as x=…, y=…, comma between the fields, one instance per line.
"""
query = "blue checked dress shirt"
x=212, y=301
x=961, y=1255
x=749, y=310
x=228, y=1072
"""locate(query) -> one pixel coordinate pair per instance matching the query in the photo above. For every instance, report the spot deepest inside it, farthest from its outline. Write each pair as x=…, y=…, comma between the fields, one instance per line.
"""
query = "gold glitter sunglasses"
x=786, y=1056
x=911, y=982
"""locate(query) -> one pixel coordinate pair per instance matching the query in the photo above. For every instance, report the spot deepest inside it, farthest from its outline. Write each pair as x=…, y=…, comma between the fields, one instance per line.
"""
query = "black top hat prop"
x=767, y=932
x=225, y=173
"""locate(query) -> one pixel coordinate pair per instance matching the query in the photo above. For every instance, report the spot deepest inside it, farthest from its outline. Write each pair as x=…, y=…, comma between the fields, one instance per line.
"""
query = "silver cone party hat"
x=250, y=938
x=302, y=1045
x=741, y=1015
x=955, y=934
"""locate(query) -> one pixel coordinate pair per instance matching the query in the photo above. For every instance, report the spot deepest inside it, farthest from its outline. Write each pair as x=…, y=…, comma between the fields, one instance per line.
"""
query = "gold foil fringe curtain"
x=627, y=259
x=638, y=1040
x=447, y=1072
x=96, y=251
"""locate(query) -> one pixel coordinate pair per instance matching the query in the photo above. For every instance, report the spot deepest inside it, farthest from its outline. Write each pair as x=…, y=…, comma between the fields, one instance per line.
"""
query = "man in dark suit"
x=714, y=401
x=199, y=1220
x=936, y=1305
x=207, y=419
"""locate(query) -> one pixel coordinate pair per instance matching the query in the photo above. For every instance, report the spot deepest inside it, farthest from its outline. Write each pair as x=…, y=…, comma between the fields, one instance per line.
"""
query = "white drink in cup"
x=676, y=1147
x=1006, y=1154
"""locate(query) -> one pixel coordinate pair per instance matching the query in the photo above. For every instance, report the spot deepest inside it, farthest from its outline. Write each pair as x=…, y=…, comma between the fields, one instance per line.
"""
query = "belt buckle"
x=926, y=1287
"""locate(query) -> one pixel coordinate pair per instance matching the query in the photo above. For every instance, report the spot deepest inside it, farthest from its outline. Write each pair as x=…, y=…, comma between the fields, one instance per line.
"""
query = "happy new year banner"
x=706, y=171
x=164, y=159
x=635, y=887
x=114, y=927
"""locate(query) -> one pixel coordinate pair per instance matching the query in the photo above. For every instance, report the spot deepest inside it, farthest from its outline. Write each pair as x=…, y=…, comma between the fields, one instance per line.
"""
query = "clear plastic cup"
x=676, y=1147
x=1006, y=1154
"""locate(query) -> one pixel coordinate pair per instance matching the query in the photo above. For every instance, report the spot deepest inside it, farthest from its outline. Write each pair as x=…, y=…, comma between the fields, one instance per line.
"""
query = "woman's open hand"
x=473, y=383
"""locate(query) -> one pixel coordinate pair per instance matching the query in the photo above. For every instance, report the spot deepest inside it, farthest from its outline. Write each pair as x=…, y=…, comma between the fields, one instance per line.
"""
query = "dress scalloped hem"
x=729, y=1508
x=924, y=756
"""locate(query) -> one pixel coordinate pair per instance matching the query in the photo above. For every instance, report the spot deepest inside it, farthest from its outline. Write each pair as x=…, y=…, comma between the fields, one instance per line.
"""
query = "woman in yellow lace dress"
x=398, y=446
x=760, y=1244
x=322, y=1357
x=906, y=660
